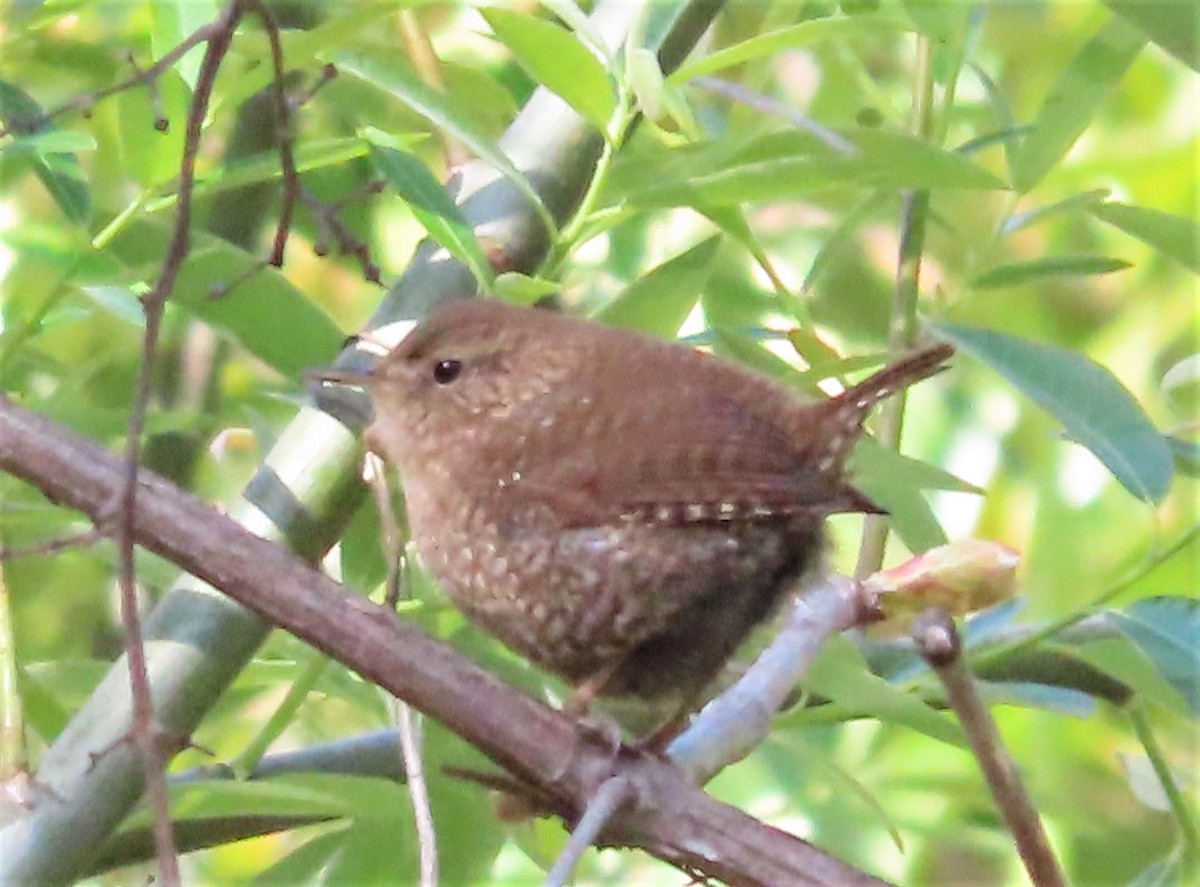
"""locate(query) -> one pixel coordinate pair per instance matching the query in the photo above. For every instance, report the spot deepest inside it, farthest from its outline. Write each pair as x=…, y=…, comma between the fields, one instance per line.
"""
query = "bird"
x=620, y=510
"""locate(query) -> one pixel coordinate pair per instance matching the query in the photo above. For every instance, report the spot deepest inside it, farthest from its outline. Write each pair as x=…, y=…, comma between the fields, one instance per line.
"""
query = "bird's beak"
x=335, y=376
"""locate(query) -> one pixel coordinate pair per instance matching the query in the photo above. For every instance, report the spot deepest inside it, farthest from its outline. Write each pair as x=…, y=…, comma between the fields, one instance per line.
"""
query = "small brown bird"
x=620, y=510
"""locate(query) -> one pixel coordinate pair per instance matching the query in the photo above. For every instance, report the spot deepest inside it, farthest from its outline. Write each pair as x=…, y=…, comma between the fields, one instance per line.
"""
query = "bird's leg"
x=578, y=705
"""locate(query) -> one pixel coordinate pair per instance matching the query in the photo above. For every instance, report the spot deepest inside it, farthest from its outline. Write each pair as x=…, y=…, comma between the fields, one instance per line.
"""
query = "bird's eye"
x=446, y=371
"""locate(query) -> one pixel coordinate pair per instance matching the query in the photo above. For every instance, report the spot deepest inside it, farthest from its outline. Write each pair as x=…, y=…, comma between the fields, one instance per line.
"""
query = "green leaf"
x=1084, y=200
x=1175, y=26
x=732, y=220
x=890, y=480
x=555, y=58
x=841, y=674
x=1074, y=100
x=1094, y=407
x=1060, y=700
x=151, y=156
x=792, y=163
x=772, y=43
x=264, y=167
x=383, y=70
x=433, y=208
x=173, y=21
x=1175, y=236
x=661, y=301
x=59, y=172
x=1167, y=629
x=1016, y=273
x=363, y=563
x=254, y=312
x=516, y=287
x=51, y=141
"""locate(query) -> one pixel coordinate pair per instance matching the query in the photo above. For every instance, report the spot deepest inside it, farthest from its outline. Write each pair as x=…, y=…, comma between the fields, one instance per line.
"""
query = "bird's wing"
x=695, y=458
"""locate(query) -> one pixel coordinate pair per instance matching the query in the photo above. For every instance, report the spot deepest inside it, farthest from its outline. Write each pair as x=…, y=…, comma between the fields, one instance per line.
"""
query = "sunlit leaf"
x=1172, y=24
x=385, y=71
x=1016, y=273
x=59, y=172
x=887, y=479
x=173, y=21
x=1086, y=200
x=1094, y=407
x=252, y=312
x=773, y=42
x=1167, y=629
x=1175, y=236
x=555, y=58
x=794, y=163
x=432, y=207
x=1074, y=100
x=840, y=674
x=661, y=300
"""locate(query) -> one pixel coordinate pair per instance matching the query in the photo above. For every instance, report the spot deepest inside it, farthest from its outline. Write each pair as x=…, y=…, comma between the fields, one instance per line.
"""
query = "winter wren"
x=620, y=510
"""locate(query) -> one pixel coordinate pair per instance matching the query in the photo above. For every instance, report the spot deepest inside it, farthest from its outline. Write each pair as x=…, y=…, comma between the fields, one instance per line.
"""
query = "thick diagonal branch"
x=670, y=818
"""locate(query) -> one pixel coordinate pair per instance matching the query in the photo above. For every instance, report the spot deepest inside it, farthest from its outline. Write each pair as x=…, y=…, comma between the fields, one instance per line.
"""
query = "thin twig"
x=673, y=820
x=902, y=327
x=83, y=102
x=81, y=539
x=283, y=135
x=756, y=100
x=734, y=723
x=143, y=729
x=408, y=724
x=613, y=794
x=937, y=639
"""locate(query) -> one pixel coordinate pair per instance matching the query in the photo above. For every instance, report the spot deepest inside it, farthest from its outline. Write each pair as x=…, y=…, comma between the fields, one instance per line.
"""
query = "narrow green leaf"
x=1016, y=273
x=1085, y=201
x=660, y=301
x=1167, y=630
x=50, y=141
x=62, y=176
x=253, y=313
x=870, y=455
x=1074, y=100
x=1060, y=700
x=174, y=20
x=433, y=208
x=386, y=72
x=732, y=220
x=1094, y=407
x=555, y=58
x=59, y=172
x=152, y=156
x=841, y=675
x=517, y=287
x=807, y=33
x=1007, y=129
x=264, y=167
x=1172, y=24
x=1175, y=236
x=791, y=163
x=889, y=479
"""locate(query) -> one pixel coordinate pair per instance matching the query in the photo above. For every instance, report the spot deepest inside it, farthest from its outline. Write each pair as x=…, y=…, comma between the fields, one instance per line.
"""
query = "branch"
x=938, y=640
x=197, y=640
x=670, y=818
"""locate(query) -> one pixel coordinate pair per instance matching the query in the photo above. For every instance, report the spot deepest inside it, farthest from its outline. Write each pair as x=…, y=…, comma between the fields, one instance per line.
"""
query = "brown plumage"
x=620, y=510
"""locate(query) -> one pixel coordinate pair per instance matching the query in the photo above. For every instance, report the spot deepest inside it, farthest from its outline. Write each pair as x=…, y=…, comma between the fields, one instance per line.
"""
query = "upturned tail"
x=841, y=424
x=906, y=371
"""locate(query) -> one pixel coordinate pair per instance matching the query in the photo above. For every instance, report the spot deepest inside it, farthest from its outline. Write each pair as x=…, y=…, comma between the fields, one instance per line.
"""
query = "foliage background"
x=85, y=206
